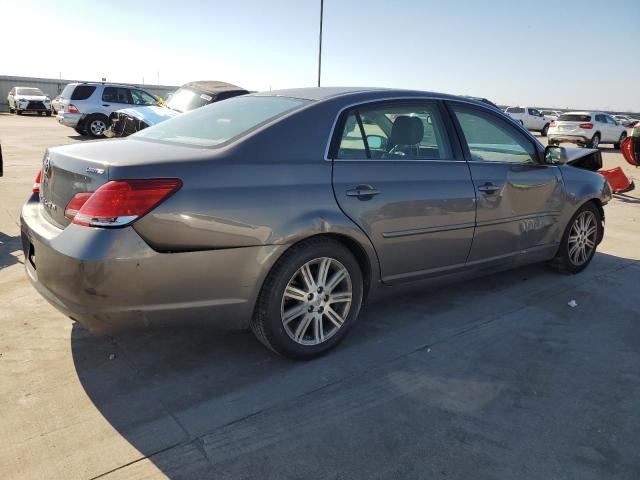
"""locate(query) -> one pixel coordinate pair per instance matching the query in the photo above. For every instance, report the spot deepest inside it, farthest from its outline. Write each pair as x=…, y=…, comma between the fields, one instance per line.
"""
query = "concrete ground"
x=492, y=378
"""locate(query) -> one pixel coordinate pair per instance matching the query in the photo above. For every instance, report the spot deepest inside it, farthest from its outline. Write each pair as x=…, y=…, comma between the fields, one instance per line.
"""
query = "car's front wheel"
x=309, y=300
x=580, y=239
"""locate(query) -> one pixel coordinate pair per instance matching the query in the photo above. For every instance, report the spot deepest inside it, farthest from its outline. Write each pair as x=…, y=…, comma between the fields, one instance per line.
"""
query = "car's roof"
x=213, y=86
x=327, y=93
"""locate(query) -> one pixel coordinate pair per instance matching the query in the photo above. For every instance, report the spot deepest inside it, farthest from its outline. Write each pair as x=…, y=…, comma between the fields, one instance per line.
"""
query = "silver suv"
x=86, y=106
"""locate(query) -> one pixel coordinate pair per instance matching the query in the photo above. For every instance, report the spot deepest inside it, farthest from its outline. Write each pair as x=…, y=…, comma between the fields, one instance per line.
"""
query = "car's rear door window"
x=492, y=139
x=116, y=95
x=400, y=131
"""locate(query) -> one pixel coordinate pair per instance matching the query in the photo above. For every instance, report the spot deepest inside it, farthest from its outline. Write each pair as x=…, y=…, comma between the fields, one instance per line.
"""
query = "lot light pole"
x=320, y=42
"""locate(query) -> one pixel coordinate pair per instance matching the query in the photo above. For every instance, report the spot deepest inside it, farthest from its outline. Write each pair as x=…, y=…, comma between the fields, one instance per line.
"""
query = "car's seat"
x=406, y=134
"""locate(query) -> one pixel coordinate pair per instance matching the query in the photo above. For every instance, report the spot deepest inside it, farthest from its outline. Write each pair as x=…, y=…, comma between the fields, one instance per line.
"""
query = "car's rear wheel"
x=544, y=131
x=18, y=111
x=309, y=300
x=580, y=239
x=48, y=114
x=97, y=125
x=12, y=110
x=623, y=136
x=595, y=141
x=80, y=130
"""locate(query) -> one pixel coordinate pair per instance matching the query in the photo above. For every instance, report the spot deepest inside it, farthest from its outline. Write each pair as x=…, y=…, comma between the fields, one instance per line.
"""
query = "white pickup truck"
x=531, y=119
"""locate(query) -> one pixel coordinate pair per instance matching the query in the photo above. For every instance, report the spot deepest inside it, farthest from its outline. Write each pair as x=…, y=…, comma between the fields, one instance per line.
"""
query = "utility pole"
x=320, y=42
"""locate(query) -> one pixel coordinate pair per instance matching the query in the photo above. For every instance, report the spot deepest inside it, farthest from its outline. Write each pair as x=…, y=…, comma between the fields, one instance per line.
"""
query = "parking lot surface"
x=492, y=378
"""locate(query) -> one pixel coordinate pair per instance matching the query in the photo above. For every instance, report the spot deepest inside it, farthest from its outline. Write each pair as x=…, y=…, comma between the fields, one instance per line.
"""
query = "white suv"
x=530, y=118
x=86, y=106
x=587, y=129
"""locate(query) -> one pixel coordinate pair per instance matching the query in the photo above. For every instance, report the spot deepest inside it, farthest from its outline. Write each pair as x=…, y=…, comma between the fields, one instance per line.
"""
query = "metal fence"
x=53, y=87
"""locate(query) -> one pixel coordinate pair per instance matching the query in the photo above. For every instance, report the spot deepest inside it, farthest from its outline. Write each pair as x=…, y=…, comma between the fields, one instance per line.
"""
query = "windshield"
x=574, y=117
x=28, y=91
x=221, y=122
x=515, y=110
x=186, y=99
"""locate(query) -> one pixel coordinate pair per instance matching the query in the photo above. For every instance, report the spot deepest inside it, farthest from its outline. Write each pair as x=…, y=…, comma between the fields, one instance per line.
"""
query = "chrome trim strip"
x=517, y=218
x=418, y=98
x=419, y=231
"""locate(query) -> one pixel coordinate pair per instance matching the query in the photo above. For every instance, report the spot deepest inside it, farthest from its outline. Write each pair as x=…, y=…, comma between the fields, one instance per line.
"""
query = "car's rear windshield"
x=574, y=117
x=515, y=110
x=66, y=92
x=29, y=91
x=221, y=122
x=186, y=99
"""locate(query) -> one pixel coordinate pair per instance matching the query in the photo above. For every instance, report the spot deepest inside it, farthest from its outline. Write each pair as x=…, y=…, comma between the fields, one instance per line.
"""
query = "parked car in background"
x=551, y=114
x=86, y=106
x=55, y=104
x=285, y=210
x=624, y=120
x=188, y=97
x=531, y=119
x=588, y=129
x=28, y=99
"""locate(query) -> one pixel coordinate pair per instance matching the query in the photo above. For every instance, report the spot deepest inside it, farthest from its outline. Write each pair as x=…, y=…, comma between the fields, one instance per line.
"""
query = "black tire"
x=623, y=136
x=12, y=110
x=543, y=132
x=95, y=118
x=267, y=323
x=562, y=259
x=48, y=114
x=18, y=112
x=79, y=130
x=595, y=141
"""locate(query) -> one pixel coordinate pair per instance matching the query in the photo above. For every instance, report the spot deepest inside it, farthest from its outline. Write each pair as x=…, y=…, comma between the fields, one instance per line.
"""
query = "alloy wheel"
x=595, y=142
x=582, y=238
x=316, y=301
x=97, y=127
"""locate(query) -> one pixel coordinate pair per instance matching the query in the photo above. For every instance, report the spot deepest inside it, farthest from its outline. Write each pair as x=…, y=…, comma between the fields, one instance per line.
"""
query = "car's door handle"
x=106, y=105
x=488, y=188
x=363, y=192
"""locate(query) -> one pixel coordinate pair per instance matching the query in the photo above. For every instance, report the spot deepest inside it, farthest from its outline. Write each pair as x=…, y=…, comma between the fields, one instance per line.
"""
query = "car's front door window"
x=491, y=139
x=141, y=97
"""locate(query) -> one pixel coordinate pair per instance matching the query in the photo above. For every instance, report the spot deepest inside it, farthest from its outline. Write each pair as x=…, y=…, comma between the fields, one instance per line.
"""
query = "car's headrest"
x=406, y=131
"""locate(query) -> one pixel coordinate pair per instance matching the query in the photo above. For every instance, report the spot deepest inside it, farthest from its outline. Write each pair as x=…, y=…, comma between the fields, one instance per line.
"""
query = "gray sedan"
x=284, y=211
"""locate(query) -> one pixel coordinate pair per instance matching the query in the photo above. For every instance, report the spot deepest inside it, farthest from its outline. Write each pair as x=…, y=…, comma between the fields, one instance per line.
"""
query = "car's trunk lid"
x=64, y=175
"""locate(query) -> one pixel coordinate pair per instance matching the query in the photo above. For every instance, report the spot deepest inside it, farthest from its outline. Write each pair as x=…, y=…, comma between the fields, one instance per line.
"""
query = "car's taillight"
x=74, y=205
x=586, y=126
x=552, y=124
x=118, y=203
x=36, y=182
x=73, y=109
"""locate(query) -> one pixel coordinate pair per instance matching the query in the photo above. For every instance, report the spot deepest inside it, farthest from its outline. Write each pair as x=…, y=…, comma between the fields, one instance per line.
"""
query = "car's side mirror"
x=375, y=141
x=555, y=155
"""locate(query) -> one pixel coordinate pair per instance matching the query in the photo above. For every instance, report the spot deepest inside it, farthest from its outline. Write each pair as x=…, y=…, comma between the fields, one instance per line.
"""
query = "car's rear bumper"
x=68, y=119
x=110, y=279
x=563, y=137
